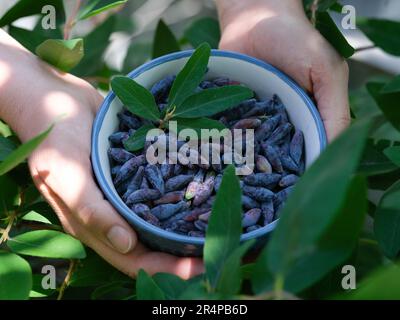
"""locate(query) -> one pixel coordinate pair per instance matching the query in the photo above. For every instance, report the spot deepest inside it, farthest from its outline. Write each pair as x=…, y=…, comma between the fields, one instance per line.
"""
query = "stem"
x=67, y=278
x=168, y=116
x=278, y=286
x=270, y=295
x=365, y=48
x=314, y=9
x=368, y=241
x=71, y=20
x=6, y=231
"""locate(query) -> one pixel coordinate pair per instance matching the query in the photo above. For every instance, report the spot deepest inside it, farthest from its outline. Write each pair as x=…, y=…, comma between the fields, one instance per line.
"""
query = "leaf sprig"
x=189, y=108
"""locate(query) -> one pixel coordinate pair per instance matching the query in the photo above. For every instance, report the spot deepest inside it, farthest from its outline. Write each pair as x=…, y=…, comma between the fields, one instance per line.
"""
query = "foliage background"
x=361, y=220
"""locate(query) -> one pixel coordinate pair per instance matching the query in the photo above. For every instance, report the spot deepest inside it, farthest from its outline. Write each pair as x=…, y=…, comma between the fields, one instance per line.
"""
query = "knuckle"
x=87, y=214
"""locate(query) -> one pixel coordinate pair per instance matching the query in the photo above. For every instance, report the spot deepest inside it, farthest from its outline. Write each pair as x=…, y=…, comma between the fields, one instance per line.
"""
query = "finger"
x=130, y=264
x=330, y=87
x=68, y=175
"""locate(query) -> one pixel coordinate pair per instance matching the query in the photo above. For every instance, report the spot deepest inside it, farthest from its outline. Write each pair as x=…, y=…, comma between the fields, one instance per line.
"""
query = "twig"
x=270, y=295
x=278, y=287
x=314, y=9
x=6, y=232
x=365, y=48
x=71, y=20
x=67, y=278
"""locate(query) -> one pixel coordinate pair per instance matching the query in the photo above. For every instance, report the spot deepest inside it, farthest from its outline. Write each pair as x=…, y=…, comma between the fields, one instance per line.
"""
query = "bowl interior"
x=259, y=76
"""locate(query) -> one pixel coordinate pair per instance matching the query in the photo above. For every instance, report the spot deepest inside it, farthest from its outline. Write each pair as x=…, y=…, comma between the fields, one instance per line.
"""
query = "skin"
x=34, y=95
x=279, y=33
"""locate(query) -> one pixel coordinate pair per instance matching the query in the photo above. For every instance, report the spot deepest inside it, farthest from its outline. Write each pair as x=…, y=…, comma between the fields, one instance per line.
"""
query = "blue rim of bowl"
x=117, y=202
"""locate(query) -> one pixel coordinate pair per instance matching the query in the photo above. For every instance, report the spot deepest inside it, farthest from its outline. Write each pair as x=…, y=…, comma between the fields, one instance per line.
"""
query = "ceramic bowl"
x=261, y=77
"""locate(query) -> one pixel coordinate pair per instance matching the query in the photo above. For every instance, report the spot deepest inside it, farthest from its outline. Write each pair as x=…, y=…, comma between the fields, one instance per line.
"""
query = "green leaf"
x=387, y=222
x=22, y=152
x=392, y=86
x=95, y=7
x=383, y=181
x=171, y=285
x=333, y=247
x=211, y=101
x=383, y=33
x=393, y=153
x=374, y=161
x=138, y=53
x=146, y=288
x=384, y=284
x=94, y=271
x=6, y=147
x=24, y=8
x=204, y=30
x=5, y=130
x=247, y=270
x=230, y=280
x=15, y=277
x=136, y=141
x=136, y=98
x=96, y=43
x=315, y=201
x=388, y=102
x=114, y=290
x=367, y=257
x=34, y=216
x=44, y=209
x=48, y=244
x=327, y=27
x=62, y=54
x=362, y=104
x=164, y=41
x=197, y=125
x=337, y=7
x=224, y=227
x=197, y=290
x=190, y=76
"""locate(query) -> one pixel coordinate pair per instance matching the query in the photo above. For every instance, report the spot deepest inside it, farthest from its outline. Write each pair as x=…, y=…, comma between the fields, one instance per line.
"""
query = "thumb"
x=70, y=179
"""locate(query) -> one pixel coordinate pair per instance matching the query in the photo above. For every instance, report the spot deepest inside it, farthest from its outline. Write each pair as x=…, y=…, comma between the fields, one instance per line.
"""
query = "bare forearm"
x=32, y=93
x=13, y=83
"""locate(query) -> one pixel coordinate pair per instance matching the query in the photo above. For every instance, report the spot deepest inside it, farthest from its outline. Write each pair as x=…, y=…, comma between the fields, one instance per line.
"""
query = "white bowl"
x=259, y=76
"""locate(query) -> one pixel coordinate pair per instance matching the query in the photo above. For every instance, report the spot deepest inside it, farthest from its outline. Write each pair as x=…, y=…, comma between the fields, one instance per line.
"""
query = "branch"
x=5, y=232
x=314, y=9
x=67, y=278
x=71, y=20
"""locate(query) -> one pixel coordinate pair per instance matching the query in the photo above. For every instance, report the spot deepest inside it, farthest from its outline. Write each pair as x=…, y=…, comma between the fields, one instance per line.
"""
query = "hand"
x=279, y=33
x=61, y=167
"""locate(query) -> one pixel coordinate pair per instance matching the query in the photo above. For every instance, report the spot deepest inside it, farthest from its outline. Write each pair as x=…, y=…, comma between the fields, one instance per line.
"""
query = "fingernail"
x=120, y=239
